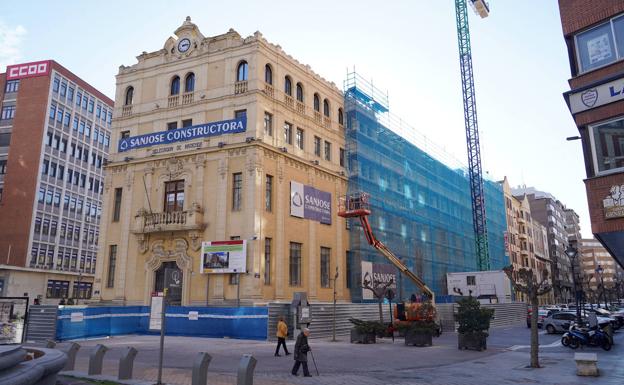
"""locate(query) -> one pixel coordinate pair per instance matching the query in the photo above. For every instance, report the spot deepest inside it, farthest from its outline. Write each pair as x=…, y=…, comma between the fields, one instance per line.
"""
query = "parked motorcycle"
x=577, y=336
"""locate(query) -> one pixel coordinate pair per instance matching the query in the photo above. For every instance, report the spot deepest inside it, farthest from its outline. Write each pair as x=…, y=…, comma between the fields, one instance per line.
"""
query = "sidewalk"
x=342, y=363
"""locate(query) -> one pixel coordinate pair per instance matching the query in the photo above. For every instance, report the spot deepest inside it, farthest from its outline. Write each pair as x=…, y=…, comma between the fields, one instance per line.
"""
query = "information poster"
x=156, y=308
x=224, y=257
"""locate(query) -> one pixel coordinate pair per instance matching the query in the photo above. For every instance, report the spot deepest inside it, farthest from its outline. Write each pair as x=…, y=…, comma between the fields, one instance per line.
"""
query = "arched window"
x=268, y=74
x=317, y=103
x=340, y=117
x=189, y=82
x=242, y=72
x=288, y=86
x=129, y=96
x=175, y=85
x=300, y=92
x=326, y=107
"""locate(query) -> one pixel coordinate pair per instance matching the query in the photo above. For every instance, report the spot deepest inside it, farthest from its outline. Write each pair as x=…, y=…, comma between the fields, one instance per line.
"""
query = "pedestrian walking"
x=282, y=333
x=301, y=353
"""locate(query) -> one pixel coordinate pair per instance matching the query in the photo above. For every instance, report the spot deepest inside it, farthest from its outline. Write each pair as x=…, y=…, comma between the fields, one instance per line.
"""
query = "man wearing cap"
x=301, y=353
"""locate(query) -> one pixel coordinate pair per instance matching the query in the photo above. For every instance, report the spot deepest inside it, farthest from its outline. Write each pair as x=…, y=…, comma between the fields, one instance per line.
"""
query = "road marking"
x=551, y=345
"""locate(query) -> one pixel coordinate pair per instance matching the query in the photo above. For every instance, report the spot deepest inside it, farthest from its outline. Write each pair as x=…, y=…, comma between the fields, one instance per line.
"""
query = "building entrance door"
x=169, y=276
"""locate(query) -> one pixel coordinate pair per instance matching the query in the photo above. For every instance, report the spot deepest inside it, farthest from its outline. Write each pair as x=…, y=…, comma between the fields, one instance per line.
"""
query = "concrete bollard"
x=245, y=370
x=126, y=363
x=72, y=352
x=96, y=359
x=50, y=344
x=200, y=369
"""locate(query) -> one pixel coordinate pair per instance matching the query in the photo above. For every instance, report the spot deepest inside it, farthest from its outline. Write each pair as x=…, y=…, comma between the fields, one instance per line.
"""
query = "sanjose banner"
x=232, y=126
x=310, y=203
x=377, y=274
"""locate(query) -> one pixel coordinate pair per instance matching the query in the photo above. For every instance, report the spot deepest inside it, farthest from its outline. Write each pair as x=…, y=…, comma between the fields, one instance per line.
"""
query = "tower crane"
x=475, y=175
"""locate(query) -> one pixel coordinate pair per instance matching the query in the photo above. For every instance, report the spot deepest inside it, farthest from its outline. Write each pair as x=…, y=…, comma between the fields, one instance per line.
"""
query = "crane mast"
x=475, y=175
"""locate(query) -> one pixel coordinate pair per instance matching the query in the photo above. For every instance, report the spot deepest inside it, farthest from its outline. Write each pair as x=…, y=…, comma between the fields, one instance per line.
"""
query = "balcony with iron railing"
x=149, y=222
x=240, y=87
x=326, y=122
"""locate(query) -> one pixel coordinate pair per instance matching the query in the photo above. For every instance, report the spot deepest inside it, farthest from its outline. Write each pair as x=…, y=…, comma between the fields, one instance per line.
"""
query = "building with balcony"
x=594, y=35
x=598, y=267
x=526, y=246
x=54, y=142
x=550, y=213
x=228, y=140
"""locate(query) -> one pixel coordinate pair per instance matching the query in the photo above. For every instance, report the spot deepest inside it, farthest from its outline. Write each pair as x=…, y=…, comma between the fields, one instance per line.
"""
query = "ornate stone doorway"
x=168, y=265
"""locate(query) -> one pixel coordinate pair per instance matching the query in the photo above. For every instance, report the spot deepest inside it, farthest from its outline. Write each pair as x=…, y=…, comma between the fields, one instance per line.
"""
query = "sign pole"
x=238, y=289
x=162, y=338
x=207, y=289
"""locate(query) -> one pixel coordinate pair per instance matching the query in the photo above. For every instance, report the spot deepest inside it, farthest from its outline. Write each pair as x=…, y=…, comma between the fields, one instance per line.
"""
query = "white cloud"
x=10, y=47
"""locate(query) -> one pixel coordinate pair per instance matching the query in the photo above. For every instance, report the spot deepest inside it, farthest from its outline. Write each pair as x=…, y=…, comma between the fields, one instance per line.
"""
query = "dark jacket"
x=301, y=348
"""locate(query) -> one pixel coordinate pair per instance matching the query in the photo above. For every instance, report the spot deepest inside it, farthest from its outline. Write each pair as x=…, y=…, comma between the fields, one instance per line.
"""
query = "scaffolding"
x=421, y=205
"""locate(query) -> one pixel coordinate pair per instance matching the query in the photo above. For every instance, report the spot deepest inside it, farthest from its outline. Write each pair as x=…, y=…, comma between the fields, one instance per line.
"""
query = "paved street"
x=383, y=363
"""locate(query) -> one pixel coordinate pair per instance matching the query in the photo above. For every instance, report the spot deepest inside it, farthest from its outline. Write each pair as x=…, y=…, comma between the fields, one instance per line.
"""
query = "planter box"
x=418, y=338
x=472, y=341
x=362, y=338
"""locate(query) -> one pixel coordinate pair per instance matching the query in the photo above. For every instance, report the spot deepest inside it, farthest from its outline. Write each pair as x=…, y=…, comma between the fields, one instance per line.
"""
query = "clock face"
x=184, y=45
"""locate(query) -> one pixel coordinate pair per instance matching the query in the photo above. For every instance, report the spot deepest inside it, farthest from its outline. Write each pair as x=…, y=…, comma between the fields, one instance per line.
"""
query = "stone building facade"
x=217, y=139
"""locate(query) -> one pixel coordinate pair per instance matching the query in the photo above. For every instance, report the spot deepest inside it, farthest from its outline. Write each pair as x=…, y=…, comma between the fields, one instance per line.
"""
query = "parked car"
x=617, y=319
x=559, y=322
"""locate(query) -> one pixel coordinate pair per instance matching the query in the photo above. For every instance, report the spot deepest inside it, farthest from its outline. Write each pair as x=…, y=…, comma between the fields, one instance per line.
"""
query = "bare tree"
x=379, y=290
x=526, y=281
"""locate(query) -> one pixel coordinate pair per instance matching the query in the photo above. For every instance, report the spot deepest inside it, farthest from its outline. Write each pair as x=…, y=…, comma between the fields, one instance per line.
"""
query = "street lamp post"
x=599, y=271
x=334, y=310
x=572, y=253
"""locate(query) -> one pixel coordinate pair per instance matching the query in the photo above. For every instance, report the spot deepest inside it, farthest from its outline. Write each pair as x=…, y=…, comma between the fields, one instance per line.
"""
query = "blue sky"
x=407, y=47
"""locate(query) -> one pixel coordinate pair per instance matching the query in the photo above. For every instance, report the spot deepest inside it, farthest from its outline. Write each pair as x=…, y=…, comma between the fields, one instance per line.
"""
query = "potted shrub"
x=365, y=332
x=474, y=323
x=420, y=331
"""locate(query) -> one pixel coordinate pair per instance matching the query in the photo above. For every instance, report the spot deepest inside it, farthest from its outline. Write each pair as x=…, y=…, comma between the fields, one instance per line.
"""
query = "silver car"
x=558, y=322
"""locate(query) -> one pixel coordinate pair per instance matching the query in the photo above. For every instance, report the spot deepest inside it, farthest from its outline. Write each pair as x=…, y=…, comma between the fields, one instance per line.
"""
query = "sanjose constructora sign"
x=310, y=203
x=232, y=126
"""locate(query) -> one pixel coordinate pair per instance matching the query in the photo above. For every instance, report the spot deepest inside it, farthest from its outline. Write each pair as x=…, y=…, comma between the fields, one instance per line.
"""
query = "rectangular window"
x=325, y=263
x=52, y=170
x=81, y=127
x=327, y=150
x=85, y=100
x=63, y=147
x=37, y=225
x=471, y=280
x=187, y=122
x=117, y=204
x=75, y=124
x=174, y=196
x=608, y=143
x=63, y=89
x=59, y=114
x=112, y=261
x=45, y=167
x=288, y=133
x=240, y=114
x=61, y=172
x=234, y=278
x=268, y=124
x=268, y=193
x=8, y=112
x=170, y=126
x=91, y=105
x=317, y=146
x=126, y=134
x=3, y=164
x=342, y=157
x=300, y=138
x=595, y=47
x=70, y=94
x=237, y=191
x=55, y=85
x=295, y=264
x=78, y=98
x=11, y=86
x=267, y=261
x=5, y=140
x=98, y=111
x=57, y=289
x=52, y=111
x=46, y=227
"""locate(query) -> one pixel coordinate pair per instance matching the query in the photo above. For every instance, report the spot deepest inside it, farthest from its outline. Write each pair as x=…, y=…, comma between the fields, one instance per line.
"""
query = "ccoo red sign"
x=28, y=70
